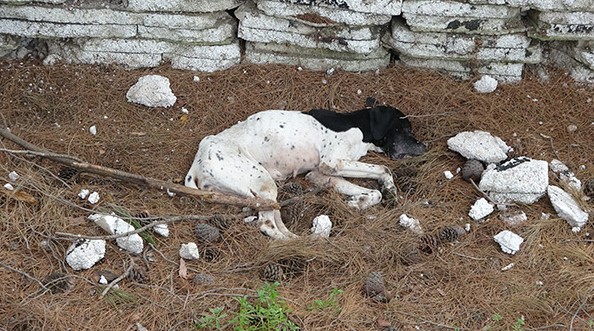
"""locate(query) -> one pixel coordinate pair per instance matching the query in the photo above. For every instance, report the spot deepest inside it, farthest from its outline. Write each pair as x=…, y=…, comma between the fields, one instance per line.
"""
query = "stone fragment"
x=521, y=179
x=480, y=209
x=152, y=91
x=479, y=145
x=567, y=207
x=565, y=175
x=509, y=241
x=410, y=223
x=321, y=226
x=189, y=251
x=115, y=225
x=85, y=253
x=486, y=84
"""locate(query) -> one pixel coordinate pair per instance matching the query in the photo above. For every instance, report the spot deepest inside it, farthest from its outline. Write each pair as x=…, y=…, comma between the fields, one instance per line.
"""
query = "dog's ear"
x=381, y=119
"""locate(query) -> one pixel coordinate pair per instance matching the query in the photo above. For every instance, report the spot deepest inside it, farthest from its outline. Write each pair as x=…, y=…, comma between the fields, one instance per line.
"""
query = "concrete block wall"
x=462, y=37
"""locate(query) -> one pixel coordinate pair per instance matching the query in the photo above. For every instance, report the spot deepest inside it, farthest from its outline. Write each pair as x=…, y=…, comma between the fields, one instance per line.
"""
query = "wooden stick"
x=207, y=196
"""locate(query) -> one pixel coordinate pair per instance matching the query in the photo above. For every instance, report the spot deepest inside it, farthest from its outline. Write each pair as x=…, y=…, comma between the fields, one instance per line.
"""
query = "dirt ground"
x=455, y=285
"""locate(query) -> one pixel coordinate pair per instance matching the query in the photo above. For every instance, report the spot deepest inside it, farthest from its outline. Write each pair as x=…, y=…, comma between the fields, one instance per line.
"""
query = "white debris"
x=509, y=241
x=196, y=79
x=93, y=130
x=486, y=84
x=513, y=218
x=103, y=280
x=330, y=71
x=479, y=145
x=170, y=194
x=13, y=176
x=572, y=128
x=448, y=174
x=321, y=226
x=152, y=91
x=83, y=193
x=481, y=209
x=467, y=227
x=93, y=198
x=189, y=251
x=410, y=223
x=85, y=253
x=566, y=207
x=250, y=219
x=507, y=267
x=162, y=230
x=185, y=110
x=520, y=179
x=115, y=225
x=8, y=186
x=565, y=175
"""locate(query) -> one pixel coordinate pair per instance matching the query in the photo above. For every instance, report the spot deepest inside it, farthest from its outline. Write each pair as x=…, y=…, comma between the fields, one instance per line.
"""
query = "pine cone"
x=450, y=233
x=67, y=173
x=142, y=216
x=58, y=282
x=221, y=222
x=273, y=272
x=411, y=255
x=139, y=274
x=203, y=279
x=472, y=169
x=429, y=243
x=374, y=284
x=589, y=188
x=293, y=266
x=211, y=254
x=292, y=189
x=207, y=233
x=293, y=213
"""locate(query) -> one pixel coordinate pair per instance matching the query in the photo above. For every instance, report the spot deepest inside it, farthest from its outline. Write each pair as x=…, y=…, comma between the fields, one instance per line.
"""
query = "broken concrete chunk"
x=521, y=179
x=85, y=253
x=566, y=207
x=410, y=223
x=321, y=226
x=481, y=209
x=509, y=241
x=565, y=175
x=479, y=145
x=115, y=225
x=189, y=251
x=152, y=91
x=486, y=84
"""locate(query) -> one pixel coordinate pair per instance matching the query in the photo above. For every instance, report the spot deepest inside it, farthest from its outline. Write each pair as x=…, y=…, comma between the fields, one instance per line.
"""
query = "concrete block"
x=219, y=34
x=8, y=45
x=256, y=26
x=84, y=253
x=567, y=207
x=470, y=25
x=560, y=5
x=203, y=64
x=53, y=2
x=385, y=7
x=54, y=30
x=563, y=25
x=315, y=59
x=449, y=8
x=521, y=179
x=202, y=6
x=321, y=15
x=479, y=145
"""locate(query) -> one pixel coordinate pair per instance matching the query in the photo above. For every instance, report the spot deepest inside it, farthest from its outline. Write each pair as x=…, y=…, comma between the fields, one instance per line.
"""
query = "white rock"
x=507, y=267
x=566, y=207
x=93, y=130
x=486, y=84
x=93, y=198
x=85, y=253
x=410, y=223
x=115, y=225
x=162, y=230
x=8, y=186
x=480, y=209
x=196, y=79
x=103, y=280
x=521, y=179
x=152, y=91
x=321, y=226
x=509, y=241
x=83, y=193
x=513, y=218
x=189, y=251
x=448, y=174
x=13, y=176
x=479, y=145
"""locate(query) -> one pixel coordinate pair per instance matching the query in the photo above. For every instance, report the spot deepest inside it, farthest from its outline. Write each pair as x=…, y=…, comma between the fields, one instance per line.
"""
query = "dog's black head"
x=391, y=131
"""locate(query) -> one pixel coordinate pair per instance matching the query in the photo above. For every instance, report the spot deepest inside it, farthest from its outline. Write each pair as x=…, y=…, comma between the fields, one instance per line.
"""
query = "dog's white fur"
x=247, y=158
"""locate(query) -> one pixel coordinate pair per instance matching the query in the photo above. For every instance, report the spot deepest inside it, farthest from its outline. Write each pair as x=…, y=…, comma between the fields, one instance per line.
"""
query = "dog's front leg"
x=357, y=169
x=359, y=197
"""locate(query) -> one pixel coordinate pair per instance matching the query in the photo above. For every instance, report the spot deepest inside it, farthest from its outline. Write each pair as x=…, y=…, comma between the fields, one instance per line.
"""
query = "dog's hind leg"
x=270, y=224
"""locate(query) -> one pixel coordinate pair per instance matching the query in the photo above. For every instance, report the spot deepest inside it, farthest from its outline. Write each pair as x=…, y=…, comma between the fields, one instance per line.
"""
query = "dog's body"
x=247, y=158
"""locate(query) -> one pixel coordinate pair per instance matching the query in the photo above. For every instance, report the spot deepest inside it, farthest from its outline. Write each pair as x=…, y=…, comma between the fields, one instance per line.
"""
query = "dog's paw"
x=390, y=195
x=364, y=200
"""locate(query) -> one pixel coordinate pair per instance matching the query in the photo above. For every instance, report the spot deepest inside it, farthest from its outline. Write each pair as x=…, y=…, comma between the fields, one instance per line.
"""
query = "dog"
x=249, y=157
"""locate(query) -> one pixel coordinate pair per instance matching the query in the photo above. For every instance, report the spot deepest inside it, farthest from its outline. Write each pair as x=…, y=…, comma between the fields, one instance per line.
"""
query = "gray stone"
x=258, y=27
x=567, y=207
x=479, y=145
x=85, y=253
x=386, y=7
x=480, y=209
x=205, y=6
x=315, y=15
x=521, y=179
x=115, y=225
x=315, y=59
x=189, y=251
x=447, y=8
x=563, y=25
x=467, y=25
x=509, y=241
x=54, y=30
x=151, y=91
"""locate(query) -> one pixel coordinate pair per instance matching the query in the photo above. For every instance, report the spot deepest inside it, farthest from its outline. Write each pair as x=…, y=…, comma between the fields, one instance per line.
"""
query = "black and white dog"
x=247, y=158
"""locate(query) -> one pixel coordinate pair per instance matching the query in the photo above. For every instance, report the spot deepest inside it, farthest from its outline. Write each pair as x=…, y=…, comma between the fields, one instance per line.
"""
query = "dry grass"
x=460, y=285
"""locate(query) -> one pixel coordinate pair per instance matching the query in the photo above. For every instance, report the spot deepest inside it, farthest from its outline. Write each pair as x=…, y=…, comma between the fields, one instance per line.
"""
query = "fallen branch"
x=207, y=196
